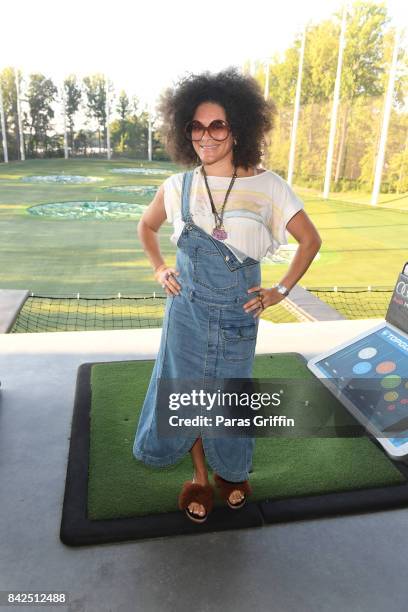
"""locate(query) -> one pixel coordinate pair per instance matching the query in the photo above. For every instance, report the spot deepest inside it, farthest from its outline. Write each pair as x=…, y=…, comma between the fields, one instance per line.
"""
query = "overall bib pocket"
x=210, y=271
x=238, y=340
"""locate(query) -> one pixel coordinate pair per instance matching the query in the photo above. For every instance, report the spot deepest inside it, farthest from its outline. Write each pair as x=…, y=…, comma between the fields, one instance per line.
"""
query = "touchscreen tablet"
x=369, y=375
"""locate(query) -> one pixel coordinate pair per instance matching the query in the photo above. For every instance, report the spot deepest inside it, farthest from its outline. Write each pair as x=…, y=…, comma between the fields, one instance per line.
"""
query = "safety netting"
x=42, y=313
x=355, y=303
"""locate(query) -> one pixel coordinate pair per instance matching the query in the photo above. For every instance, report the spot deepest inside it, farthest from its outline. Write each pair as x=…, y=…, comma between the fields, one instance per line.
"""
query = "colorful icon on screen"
x=390, y=382
x=385, y=367
x=391, y=396
x=362, y=367
x=367, y=353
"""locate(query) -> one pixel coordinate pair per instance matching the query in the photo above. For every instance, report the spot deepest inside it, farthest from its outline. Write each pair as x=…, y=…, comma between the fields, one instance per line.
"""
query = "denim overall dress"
x=206, y=334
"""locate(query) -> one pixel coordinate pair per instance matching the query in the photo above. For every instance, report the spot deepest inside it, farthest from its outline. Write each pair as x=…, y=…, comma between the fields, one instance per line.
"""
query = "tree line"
x=128, y=124
x=365, y=71
x=366, y=61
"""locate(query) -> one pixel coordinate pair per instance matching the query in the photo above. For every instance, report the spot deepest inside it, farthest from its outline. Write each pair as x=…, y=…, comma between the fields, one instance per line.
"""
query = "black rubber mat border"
x=77, y=530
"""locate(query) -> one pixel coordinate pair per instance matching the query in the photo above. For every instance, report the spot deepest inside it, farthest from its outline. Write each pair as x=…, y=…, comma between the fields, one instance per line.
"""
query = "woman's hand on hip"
x=167, y=278
x=264, y=299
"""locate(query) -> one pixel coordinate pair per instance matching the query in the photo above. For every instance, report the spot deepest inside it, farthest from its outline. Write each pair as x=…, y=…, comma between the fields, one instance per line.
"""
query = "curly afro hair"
x=250, y=115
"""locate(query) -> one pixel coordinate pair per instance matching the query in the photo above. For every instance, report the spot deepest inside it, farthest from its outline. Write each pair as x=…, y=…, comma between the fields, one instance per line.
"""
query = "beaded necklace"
x=219, y=229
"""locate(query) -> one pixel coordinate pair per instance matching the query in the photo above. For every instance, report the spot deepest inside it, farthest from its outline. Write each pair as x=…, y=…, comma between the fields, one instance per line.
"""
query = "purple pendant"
x=219, y=233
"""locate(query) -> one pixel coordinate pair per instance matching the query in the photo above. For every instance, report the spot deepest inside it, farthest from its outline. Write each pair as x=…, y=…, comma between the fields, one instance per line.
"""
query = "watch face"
x=283, y=290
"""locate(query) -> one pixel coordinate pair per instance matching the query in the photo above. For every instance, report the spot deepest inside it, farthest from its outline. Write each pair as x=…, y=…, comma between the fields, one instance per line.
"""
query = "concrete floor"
x=354, y=563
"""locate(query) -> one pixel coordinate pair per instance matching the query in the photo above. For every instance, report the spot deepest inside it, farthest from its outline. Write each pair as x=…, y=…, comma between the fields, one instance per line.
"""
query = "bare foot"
x=236, y=497
x=195, y=507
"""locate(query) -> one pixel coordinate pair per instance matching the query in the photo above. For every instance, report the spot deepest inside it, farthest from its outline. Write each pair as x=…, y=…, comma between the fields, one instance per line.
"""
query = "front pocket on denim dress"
x=238, y=340
x=211, y=272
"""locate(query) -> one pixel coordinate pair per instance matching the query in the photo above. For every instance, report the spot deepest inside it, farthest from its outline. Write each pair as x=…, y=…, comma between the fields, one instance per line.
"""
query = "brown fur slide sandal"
x=226, y=488
x=201, y=494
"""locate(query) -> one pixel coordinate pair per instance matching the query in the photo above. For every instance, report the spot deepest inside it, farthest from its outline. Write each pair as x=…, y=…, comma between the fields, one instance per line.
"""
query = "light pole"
x=336, y=98
x=386, y=120
x=108, y=147
x=292, y=151
x=64, y=114
x=3, y=127
x=150, y=136
x=20, y=123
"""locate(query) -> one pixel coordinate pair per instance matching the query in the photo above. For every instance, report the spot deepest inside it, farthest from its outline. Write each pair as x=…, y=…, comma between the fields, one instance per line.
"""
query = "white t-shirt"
x=255, y=215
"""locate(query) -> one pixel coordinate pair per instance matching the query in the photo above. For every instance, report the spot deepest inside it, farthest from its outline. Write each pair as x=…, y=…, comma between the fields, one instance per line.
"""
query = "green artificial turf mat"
x=121, y=486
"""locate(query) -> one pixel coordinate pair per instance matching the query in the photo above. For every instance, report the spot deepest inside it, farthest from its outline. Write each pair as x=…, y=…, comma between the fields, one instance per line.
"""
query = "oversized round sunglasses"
x=218, y=130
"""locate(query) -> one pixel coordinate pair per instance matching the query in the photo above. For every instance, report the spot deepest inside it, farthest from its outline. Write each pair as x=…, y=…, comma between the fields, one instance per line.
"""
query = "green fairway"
x=362, y=245
x=389, y=201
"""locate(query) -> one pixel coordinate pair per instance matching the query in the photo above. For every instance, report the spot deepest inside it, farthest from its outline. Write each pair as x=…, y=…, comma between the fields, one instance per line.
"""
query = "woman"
x=227, y=215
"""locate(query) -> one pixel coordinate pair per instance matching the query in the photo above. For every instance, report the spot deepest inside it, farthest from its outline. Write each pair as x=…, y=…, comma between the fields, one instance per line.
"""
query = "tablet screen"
x=372, y=373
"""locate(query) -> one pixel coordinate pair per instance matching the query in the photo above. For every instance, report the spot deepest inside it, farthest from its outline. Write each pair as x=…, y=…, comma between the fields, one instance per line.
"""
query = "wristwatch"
x=281, y=289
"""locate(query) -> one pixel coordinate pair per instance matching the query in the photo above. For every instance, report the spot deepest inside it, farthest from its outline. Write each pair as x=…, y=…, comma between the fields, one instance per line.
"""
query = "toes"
x=197, y=509
x=236, y=497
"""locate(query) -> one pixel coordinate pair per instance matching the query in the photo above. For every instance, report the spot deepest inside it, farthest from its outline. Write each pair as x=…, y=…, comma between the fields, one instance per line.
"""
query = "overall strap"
x=185, y=195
